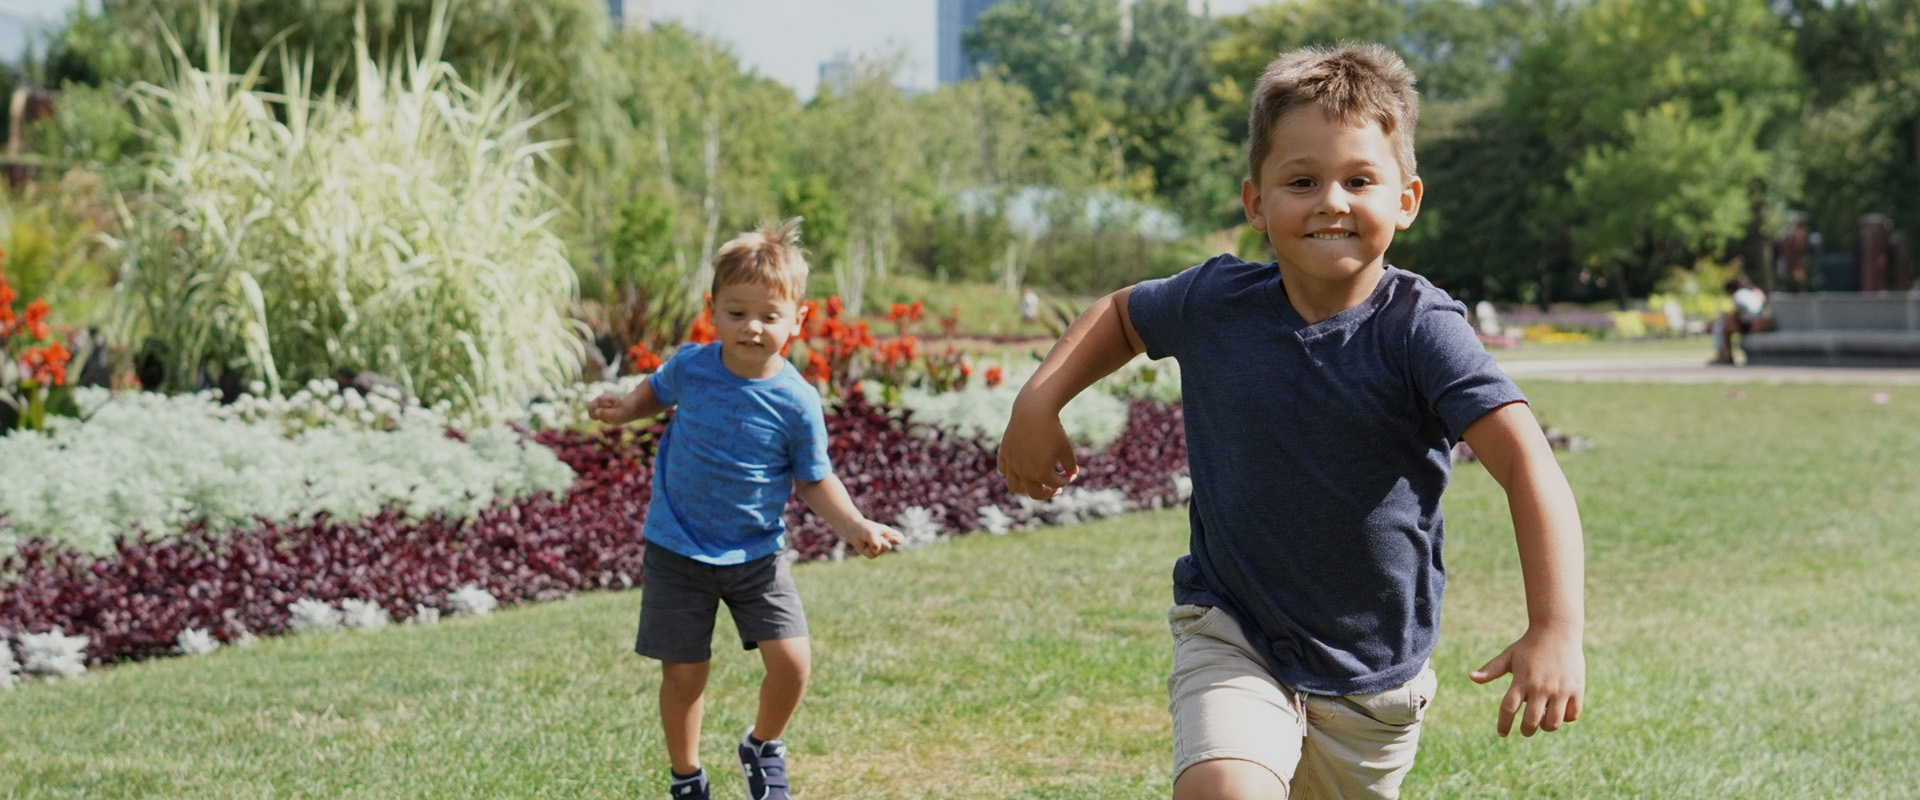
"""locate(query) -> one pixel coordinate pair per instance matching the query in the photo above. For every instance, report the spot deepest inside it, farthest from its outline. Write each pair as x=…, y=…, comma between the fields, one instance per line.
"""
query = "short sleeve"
x=1453, y=370
x=1156, y=308
x=666, y=379
x=807, y=442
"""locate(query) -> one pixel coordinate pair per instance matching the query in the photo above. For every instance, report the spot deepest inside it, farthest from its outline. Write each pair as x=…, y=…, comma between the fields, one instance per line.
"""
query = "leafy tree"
x=1052, y=47
x=1861, y=143
x=861, y=139
x=1583, y=95
x=1851, y=154
x=704, y=154
x=1677, y=186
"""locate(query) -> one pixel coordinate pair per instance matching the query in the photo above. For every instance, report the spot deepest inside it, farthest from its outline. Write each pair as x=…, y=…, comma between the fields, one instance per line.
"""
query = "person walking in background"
x=748, y=430
x=1029, y=306
x=1747, y=316
x=1322, y=395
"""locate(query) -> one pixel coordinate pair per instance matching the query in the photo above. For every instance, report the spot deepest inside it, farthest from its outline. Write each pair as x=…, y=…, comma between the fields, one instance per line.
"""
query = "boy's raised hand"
x=1549, y=681
x=873, y=538
x=1035, y=455
x=607, y=408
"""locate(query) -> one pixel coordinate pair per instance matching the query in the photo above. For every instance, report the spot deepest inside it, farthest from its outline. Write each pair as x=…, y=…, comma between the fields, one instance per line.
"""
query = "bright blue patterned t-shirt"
x=725, y=467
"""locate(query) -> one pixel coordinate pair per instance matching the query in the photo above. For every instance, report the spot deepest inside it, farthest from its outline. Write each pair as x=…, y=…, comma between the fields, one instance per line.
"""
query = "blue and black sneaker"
x=765, y=766
x=690, y=788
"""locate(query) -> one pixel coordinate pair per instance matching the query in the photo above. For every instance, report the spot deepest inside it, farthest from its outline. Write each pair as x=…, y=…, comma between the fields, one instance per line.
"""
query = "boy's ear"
x=1251, y=202
x=1410, y=204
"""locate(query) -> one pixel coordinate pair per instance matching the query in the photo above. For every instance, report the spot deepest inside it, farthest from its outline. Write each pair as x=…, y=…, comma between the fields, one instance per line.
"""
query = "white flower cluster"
x=158, y=462
x=918, y=527
x=314, y=616
x=323, y=404
x=994, y=520
x=363, y=615
x=1093, y=419
x=9, y=668
x=195, y=642
x=1074, y=506
x=53, y=654
x=472, y=600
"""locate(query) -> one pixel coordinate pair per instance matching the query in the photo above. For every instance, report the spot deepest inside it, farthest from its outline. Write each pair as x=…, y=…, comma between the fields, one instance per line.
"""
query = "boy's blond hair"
x=769, y=256
x=1355, y=84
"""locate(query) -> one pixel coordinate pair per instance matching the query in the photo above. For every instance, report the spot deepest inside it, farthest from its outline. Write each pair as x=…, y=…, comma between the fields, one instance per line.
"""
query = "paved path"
x=1693, y=369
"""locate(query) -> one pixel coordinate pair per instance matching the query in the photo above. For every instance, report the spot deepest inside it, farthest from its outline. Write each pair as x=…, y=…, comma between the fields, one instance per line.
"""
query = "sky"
x=18, y=18
x=788, y=39
x=782, y=39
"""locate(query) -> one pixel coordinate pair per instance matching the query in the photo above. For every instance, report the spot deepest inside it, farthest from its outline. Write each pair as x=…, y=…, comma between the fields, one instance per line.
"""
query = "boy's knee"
x=1228, y=779
x=676, y=675
x=791, y=659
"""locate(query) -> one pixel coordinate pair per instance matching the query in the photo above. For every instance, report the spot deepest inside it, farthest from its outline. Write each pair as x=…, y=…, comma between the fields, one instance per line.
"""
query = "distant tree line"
x=1572, y=150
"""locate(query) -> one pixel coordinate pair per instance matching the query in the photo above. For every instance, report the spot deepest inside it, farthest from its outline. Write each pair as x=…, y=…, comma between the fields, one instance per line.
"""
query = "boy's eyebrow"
x=1359, y=163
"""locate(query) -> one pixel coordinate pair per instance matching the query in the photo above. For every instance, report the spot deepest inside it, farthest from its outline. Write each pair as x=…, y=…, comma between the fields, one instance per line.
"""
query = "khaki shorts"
x=1227, y=706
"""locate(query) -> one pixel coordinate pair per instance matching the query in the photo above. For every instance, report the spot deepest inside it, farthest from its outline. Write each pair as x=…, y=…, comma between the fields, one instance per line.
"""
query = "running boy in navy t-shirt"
x=747, y=431
x=1322, y=396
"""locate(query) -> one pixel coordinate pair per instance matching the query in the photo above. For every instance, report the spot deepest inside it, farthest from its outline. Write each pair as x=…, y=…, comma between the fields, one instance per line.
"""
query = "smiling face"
x=1330, y=197
x=754, y=323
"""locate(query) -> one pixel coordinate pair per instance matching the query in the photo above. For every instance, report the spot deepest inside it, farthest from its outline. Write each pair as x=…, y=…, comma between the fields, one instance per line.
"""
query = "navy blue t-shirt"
x=1319, y=453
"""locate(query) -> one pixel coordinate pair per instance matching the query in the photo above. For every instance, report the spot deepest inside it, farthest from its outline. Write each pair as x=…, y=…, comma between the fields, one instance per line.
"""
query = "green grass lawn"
x=1754, y=578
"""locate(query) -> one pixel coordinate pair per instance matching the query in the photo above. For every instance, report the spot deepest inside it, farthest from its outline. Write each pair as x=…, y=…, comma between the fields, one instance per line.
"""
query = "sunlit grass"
x=1753, y=577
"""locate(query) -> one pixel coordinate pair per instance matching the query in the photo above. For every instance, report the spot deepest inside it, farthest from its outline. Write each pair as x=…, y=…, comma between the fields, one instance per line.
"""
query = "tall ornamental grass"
x=403, y=230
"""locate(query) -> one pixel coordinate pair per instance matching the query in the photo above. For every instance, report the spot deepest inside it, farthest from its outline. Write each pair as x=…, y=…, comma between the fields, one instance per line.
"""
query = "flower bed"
x=151, y=597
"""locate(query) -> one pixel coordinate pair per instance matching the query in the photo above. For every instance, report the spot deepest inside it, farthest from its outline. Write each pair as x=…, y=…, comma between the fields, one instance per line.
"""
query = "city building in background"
x=953, y=19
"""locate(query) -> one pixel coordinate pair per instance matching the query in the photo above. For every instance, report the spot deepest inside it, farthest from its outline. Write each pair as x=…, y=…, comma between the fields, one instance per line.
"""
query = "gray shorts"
x=680, y=596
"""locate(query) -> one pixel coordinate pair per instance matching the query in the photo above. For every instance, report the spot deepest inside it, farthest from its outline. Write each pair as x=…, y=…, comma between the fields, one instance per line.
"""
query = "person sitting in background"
x=1749, y=306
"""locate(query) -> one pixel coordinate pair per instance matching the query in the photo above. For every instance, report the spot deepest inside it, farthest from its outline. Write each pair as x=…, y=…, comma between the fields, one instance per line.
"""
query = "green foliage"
x=1678, y=185
x=862, y=145
x=1131, y=99
x=55, y=246
x=703, y=140
x=405, y=233
x=92, y=128
x=1852, y=157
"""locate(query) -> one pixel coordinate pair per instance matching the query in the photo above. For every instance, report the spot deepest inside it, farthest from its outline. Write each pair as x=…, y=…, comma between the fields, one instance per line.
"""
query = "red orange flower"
x=643, y=360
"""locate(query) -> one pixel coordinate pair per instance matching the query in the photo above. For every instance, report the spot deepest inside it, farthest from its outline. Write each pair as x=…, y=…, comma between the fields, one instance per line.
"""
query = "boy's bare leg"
x=1228, y=779
x=683, y=689
x=789, y=664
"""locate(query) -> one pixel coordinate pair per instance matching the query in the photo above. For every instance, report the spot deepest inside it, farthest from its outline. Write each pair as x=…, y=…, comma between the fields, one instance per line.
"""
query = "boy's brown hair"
x=1355, y=84
x=769, y=256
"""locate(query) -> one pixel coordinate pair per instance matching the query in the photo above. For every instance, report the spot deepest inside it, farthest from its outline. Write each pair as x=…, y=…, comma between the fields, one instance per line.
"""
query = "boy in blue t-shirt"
x=747, y=431
x=1322, y=395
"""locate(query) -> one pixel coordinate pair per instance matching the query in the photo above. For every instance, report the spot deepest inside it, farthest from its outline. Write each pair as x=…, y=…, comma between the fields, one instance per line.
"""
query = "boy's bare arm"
x=1547, y=663
x=1035, y=456
x=613, y=409
x=830, y=500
